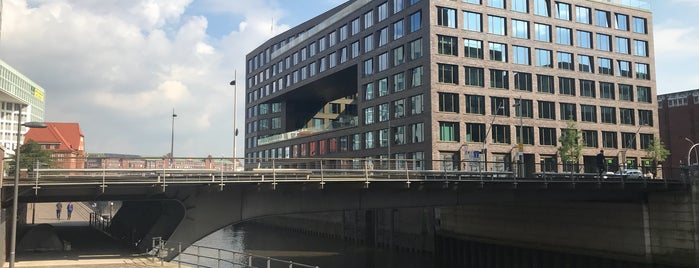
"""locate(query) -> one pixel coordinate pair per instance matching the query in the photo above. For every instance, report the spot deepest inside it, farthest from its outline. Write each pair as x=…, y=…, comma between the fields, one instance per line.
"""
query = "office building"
x=448, y=84
x=679, y=126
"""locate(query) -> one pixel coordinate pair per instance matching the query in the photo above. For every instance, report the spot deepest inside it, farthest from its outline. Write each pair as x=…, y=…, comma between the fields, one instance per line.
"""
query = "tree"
x=657, y=153
x=30, y=154
x=571, y=145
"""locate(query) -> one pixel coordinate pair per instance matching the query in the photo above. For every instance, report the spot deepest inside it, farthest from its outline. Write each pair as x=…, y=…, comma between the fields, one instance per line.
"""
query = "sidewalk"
x=90, y=248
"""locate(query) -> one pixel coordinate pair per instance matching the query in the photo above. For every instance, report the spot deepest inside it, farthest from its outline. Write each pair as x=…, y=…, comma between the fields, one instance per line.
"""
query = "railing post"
x=249, y=260
x=179, y=254
x=198, y=254
x=269, y=263
x=218, y=259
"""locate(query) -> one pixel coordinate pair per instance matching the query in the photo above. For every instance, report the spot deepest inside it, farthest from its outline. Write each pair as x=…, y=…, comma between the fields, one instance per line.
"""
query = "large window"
x=542, y=8
x=646, y=139
x=542, y=32
x=562, y=11
x=383, y=112
x=474, y=76
x=398, y=56
x=520, y=29
x=642, y=71
x=448, y=131
x=587, y=88
x=398, y=29
x=640, y=25
x=564, y=36
x=582, y=15
x=416, y=79
x=625, y=92
x=622, y=22
x=369, y=115
x=501, y=134
x=500, y=106
x=608, y=114
x=604, y=42
x=544, y=83
x=590, y=138
x=547, y=110
x=368, y=19
x=446, y=17
x=448, y=102
x=609, y=139
x=622, y=45
x=383, y=36
x=418, y=132
x=416, y=49
x=643, y=94
x=415, y=21
x=523, y=81
x=565, y=61
x=602, y=18
x=640, y=48
x=499, y=79
x=383, y=87
x=416, y=104
x=520, y=6
x=606, y=90
x=547, y=136
x=568, y=111
x=627, y=116
x=473, y=21
x=605, y=66
x=566, y=86
x=496, y=3
x=398, y=82
x=496, y=25
x=584, y=39
x=383, y=62
x=498, y=52
x=624, y=68
x=586, y=64
x=528, y=133
x=521, y=55
x=475, y=104
x=588, y=113
x=475, y=132
x=369, y=140
x=524, y=108
x=544, y=58
x=369, y=91
x=628, y=140
x=447, y=45
x=473, y=48
x=383, y=11
x=645, y=117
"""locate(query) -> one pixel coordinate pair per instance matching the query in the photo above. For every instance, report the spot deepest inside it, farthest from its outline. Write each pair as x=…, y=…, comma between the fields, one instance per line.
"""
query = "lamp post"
x=172, y=138
x=13, y=231
x=485, y=139
x=520, y=144
x=235, y=126
x=696, y=153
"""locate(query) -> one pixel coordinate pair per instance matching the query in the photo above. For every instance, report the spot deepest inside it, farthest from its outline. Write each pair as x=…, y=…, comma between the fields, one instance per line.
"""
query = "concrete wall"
x=673, y=222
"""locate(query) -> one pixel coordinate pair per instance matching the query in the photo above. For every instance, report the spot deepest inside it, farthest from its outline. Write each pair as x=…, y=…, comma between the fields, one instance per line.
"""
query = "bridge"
x=184, y=205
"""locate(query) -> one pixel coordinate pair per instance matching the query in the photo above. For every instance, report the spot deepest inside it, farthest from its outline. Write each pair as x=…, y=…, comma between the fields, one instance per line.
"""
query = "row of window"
x=398, y=83
x=500, y=106
x=381, y=112
x=602, y=18
x=502, y=134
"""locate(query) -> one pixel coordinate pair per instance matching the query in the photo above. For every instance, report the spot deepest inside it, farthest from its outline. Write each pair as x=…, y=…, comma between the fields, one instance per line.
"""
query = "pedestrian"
x=59, y=207
x=69, y=207
x=600, y=162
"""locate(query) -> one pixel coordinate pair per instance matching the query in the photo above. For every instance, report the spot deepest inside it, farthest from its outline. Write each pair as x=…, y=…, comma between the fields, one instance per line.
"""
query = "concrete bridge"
x=183, y=206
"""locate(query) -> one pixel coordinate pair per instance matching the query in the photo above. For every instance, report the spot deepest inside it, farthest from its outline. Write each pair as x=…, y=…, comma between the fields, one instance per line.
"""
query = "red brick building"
x=64, y=140
x=679, y=125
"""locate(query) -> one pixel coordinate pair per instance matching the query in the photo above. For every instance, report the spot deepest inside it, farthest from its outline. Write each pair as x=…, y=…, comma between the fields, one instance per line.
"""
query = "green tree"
x=570, y=150
x=30, y=154
x=657, y=153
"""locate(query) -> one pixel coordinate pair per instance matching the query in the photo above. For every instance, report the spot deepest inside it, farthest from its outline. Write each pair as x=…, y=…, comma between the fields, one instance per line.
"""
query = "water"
x=306, y=249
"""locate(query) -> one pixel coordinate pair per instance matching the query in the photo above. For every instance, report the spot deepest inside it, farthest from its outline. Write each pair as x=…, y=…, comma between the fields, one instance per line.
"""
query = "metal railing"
x=203, y=256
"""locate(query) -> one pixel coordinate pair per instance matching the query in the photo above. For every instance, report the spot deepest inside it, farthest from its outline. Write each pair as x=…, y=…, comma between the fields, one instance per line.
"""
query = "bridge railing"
x=203, y=256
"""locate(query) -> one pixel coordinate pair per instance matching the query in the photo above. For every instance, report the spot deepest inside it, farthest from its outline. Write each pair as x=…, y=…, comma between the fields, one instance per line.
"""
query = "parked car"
x=631, y=173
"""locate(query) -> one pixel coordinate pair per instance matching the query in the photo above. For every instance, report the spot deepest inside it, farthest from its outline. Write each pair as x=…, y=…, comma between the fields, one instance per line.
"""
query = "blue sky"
x=119, y=67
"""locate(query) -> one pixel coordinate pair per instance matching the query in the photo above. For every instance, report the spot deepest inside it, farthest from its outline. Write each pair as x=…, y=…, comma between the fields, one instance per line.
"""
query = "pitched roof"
x=67, y=135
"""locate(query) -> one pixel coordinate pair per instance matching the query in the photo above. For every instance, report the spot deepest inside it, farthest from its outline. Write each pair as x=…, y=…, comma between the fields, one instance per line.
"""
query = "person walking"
x=69, y=207
x=59, y=207
x=600, y=162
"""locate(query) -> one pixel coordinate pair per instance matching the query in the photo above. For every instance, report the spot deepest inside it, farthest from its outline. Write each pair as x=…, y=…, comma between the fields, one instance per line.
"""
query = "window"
x=473, y=48
x=412, y=2
x=448, y=102
x=496, y=25
x=606, y=90
x=582, y=15
x=383, y=112
x=499, y=79
x=521, y=55
x=584, y=39
x=415, y=21
x=496, y=3
x=418, y=132
x=568, y=111
x=547, y=110
x=343, y=33
x=526, y=108
x=562, y=11
x=587, y=88
x=542, y=8
x=565, y=61
x=369, y=115
x=383, y=11
x=642, y=71
x=475, y=104
x=477, y=2
x=416, y=49
x=585, y=64
x=640, y=48
x=625, y=92
x=399, y=108
x=622, y=22
x=544, y=83
x=645, y=117
x=590, y=138
x=588, y=113
x=383, y=87
x=416, y=80
x=622, y=45
x=602, y=18
x=448, y=73
x=368, y=67
x=499, y=106
x=474, y=76
x=354, y=28
x=398, y=82
x=343, y=55
x=397, y=6
x=383, y=36
x=520, y=6
x=448, y=131
x=498, y=52
x=564, y=36
x=624, y=68
x=626, y=116
x=604, y=42
x=368, y=19
x=566, y=86
x=368, y=43
x=543, y=58
x=542, y=32
x=639, y=25
x=446, y=17
x=398, y=30
x=609, y=139
x=501, y=134
x=520, y=29
x=608, y=114
x=355, y=49
x=472, y=21
x=399, y=135
x=369, y=140
x=383, y=138
x=398, y=56
x=416, y=104
x=643, y=94
x=475, y=132
x=605, y=66
x=523, y=81
x=447, y=45
x=547, y=136
x=332, y=38
x=332, y=60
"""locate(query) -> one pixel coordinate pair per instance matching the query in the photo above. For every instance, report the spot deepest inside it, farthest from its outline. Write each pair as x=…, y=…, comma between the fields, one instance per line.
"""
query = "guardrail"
x=203, y=256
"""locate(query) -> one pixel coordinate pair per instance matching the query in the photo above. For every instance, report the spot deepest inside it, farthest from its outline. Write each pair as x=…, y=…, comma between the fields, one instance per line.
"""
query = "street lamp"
x=235, y=127
x=172, y=138
x=13, y=231
x=485, y=139
x=696, y=153
x=520, y=145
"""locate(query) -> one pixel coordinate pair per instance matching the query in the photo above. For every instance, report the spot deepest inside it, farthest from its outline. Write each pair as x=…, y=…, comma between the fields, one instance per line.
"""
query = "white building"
x=17, y=92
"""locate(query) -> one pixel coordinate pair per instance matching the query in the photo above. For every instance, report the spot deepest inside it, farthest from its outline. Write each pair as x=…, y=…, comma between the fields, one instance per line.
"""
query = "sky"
x=120, y=67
